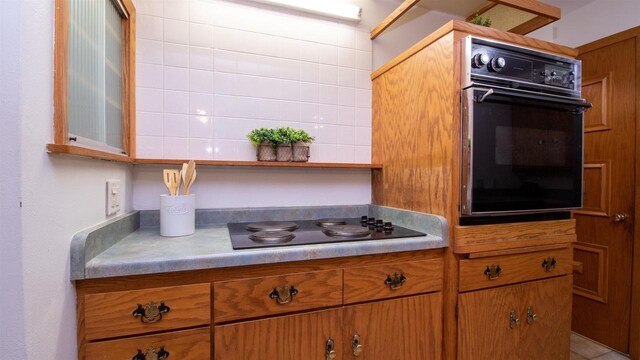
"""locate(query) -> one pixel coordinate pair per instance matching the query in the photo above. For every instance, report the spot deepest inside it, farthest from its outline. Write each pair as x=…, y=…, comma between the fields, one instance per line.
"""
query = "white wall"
x=12, y=341
x=61, y=195
x=584, y=22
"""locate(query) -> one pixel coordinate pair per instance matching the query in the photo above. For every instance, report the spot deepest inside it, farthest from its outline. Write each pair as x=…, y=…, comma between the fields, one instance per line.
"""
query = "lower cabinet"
x=400, y=329
x=526, y=321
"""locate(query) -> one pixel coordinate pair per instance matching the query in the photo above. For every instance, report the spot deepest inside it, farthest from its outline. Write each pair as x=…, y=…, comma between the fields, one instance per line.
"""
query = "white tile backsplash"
x=209, y=71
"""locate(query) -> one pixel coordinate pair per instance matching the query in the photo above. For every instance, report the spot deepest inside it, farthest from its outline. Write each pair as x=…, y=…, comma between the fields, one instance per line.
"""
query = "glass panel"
x=94, y=72
x=527, y=155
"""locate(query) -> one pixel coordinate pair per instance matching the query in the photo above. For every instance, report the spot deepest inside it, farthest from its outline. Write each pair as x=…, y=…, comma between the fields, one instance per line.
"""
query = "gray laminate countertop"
x=144, y=251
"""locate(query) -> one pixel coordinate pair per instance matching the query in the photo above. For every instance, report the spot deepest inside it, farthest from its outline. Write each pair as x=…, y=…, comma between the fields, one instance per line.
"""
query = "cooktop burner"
x=272, y=226
x=347, y=230
x=304, y=232
x=272, y=237
x=331, y=222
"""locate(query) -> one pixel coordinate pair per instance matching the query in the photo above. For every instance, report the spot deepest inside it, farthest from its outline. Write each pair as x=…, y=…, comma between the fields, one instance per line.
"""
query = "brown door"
x=404, y=329
x=546, y=320
x=291, y=337
x=603, y=253
x=488, y=323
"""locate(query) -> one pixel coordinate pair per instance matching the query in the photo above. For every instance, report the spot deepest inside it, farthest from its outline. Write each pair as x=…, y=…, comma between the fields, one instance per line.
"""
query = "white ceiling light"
x=332, y=8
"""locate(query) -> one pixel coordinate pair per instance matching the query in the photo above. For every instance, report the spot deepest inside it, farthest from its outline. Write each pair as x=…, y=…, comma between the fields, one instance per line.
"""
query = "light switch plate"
x=113, y=197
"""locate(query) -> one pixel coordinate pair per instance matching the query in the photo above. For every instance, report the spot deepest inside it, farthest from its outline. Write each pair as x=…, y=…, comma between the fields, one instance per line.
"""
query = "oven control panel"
x=513, y=66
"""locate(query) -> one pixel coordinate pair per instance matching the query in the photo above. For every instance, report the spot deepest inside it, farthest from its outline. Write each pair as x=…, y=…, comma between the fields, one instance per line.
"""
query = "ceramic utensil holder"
x=177, y=215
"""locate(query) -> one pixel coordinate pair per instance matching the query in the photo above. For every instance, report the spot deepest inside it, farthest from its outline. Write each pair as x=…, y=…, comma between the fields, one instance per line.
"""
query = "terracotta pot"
x=301, y=152
x=266, y=152
x=284, y=152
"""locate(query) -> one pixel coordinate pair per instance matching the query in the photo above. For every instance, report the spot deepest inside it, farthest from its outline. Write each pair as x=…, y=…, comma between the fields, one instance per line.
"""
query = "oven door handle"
x=580, y=104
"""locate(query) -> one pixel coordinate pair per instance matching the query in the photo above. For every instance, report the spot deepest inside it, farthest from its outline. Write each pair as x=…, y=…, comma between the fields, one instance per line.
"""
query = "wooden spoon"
x=190, y=176
x=183, y=175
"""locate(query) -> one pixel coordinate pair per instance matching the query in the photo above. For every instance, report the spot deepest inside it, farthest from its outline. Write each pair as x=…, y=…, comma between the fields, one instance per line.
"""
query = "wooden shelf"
x=261, y=164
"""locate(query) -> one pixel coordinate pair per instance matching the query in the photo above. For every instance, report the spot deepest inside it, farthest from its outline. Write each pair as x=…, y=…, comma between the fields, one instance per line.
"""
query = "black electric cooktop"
x=303, y=232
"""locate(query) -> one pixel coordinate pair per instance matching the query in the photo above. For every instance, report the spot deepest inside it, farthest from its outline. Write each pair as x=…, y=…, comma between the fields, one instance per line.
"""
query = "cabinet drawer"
x=248, y=298
x=183, y=345
x=124, y=313
x=508, y=269
x=387, y=281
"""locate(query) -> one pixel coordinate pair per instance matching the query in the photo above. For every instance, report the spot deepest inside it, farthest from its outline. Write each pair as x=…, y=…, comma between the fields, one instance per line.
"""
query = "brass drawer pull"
x=329, y=350
x=396, y=281
x=493, y=272
x=151, y=354
x=549, y=264
x=283, y=295
x=356, y=345
x=531, y=316
x=151, y=313
x=513, y=319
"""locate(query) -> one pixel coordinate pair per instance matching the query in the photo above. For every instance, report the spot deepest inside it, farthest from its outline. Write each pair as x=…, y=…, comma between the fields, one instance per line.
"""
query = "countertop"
x=143, y=251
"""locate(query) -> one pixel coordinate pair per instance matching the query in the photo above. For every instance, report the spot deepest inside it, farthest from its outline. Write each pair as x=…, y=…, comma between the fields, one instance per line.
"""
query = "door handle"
x=621, y=217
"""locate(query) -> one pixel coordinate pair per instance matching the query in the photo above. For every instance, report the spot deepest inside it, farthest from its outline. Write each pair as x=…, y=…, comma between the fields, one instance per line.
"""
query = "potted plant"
x=301, y=141
x=263, y=139
x=283, y=137
x=479, y=20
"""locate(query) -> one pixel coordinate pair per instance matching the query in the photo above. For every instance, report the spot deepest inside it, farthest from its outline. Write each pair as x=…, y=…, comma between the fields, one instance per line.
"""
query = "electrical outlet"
x=113, y=196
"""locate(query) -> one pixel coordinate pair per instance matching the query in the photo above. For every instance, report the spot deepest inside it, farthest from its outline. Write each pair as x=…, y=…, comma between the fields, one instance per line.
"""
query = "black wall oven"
x=522, y=131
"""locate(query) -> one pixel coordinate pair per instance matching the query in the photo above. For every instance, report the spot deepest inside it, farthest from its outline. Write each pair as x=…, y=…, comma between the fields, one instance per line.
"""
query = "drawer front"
x=388, y=281
x=248, y=298
x=508, y=269
x=124, y=313
x=183, y=345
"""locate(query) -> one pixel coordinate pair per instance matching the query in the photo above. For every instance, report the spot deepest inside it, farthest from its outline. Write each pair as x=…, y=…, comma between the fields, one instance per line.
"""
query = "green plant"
x=478, y=20
x=302, y=136
x=284, y=135
x=262, y=135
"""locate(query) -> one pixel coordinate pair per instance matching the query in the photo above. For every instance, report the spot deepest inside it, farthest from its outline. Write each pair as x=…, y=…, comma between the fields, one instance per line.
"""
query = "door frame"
x=634, y=327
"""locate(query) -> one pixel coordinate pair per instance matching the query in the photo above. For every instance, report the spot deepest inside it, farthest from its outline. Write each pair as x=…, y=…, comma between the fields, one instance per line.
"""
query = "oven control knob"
x=498, y=63
x=480, y=60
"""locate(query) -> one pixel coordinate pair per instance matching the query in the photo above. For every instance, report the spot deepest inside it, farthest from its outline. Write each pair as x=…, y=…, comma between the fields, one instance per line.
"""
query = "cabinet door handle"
x=151, y=354
x=396, y=281
x=283, y=295
x=549, y=264
x=493, y=272
x=513, y=319
x=356, y=345
x=329, y=350
x=531, y=315
x=150, y=312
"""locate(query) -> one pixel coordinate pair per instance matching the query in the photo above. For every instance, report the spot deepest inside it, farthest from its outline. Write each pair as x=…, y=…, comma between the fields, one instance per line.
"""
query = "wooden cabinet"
x=526, y=321
x=291, y=337
x=409, y=328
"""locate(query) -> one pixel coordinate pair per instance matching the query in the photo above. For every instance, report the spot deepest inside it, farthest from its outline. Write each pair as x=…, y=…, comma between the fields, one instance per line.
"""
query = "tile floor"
x=586, y=349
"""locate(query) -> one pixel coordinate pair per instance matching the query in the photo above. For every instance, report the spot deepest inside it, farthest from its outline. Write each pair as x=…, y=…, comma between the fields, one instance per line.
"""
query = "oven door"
x=522, y=152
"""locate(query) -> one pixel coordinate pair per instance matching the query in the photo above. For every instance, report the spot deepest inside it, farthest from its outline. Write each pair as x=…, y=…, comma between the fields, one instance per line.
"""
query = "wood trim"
x=578, y=267
x=532, y=25
x=471, y=29
x=602, y=293
x=87, y=152
x=634, y=330
x=522, y=250
x=60, y=67
x=391, y=18
x=606, y=91
x=260, y=164
x=129, y=80
x=621, y=36
x=532, y=6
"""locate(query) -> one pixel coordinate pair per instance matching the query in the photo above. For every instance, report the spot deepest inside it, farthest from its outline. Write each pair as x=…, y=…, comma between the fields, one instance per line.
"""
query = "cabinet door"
x=547, y=334
x=403, y=329
x=293, y=337
x=488, y=323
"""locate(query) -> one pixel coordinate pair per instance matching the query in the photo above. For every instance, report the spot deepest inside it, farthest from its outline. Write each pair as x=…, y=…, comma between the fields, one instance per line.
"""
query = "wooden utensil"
x=183, y=175
x=190, y=176
x=172, y=180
